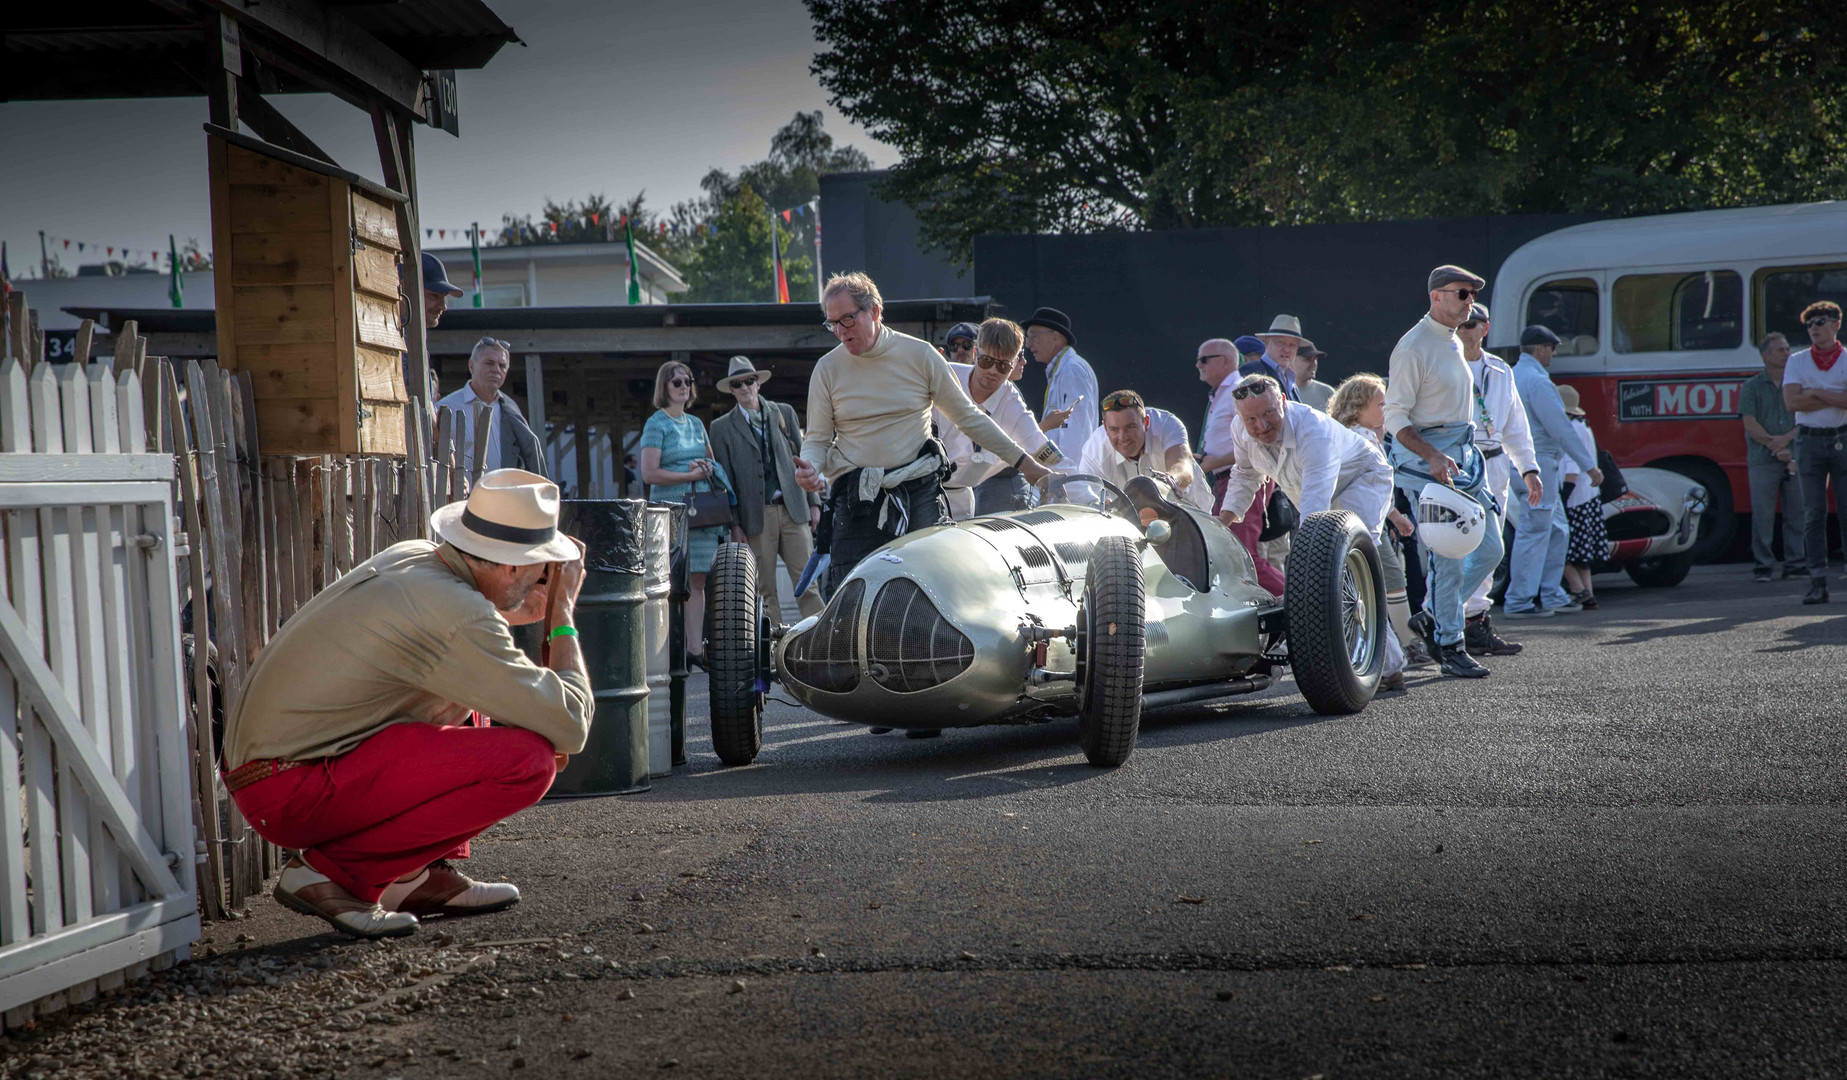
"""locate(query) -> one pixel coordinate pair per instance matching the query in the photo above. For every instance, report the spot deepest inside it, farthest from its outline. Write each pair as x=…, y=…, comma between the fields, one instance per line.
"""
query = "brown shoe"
x=443, y=890
x=304, y=889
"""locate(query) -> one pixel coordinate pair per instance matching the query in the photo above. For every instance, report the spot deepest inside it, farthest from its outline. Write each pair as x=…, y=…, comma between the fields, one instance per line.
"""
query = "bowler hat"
x=1052, y=319
x=1538, y=335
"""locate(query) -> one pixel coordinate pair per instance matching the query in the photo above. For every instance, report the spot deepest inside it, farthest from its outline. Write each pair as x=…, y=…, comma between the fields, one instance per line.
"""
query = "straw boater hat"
x=742, y=365
x=1569, y=395
x=510, y=517
x=1284, y=326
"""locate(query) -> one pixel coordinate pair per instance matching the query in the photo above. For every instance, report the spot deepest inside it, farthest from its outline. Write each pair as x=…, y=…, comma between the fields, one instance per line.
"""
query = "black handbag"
x=1613, y=486
x=708, y=509
x=1280, y=517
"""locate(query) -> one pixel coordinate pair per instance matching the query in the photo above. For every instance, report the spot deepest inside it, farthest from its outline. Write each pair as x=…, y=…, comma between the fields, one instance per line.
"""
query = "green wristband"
x=561, y=631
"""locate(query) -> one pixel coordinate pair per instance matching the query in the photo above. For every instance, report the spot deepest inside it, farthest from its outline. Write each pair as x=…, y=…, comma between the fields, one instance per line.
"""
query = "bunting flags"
x=152, y=255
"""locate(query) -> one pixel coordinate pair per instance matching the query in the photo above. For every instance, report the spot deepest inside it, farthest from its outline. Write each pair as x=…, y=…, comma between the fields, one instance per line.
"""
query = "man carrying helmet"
x=1430, y=409
x=1320, y=463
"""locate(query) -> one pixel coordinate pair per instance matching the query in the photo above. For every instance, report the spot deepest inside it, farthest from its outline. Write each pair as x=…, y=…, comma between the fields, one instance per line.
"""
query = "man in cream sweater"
x=869, y=403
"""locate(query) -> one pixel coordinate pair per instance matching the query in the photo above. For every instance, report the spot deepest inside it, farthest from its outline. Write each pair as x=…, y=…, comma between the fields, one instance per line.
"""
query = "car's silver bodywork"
x=964, y=624
x=1658, y=516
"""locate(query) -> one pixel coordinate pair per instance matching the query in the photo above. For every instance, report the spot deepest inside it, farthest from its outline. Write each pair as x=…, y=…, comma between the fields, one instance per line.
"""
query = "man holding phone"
x=353, y=744
x=1070, y=383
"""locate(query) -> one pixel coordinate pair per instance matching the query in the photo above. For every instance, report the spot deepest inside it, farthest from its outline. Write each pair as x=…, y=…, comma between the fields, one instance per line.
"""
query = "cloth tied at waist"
x=1457, y=441
x=870, y=484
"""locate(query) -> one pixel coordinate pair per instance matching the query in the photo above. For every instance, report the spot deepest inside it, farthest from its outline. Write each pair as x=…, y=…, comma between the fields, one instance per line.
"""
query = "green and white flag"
x=634, y=275
x=176, y=285
x=474, y=241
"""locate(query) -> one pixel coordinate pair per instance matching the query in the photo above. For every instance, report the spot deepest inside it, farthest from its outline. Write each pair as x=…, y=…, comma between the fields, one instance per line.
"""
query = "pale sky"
x=604, y=98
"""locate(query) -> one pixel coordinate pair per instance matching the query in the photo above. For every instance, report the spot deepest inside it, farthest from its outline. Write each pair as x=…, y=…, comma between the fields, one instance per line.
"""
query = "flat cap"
x=1446, y=274
x=1478, y=312
x=1537, y=335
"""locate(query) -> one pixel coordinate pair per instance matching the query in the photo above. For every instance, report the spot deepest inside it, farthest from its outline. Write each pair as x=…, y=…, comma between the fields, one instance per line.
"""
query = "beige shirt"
x=402, y=638
x=874, y=410
x=1429, y=382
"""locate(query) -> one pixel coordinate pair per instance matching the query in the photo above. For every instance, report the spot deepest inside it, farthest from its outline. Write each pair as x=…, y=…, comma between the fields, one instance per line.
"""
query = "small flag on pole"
x=474, y=242
x=176, y=283
x=634, y=274
x=782, y=282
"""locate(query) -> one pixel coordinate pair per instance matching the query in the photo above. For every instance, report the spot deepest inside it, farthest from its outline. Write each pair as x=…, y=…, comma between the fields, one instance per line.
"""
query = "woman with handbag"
x=677, y=466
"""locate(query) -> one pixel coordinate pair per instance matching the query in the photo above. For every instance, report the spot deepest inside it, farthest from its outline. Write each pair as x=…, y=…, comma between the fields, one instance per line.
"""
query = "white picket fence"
x=97, y=846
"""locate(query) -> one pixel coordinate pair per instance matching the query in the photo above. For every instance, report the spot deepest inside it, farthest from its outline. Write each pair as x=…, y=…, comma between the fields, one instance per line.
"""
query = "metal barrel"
x=614, y=642
x=677, y=670
x=657, y=618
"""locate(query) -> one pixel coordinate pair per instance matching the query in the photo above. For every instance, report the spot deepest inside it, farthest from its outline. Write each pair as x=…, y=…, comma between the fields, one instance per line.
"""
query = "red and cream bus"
x=1660, y=319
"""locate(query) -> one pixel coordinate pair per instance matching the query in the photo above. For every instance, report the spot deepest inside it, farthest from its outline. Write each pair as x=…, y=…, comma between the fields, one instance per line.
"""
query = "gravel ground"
x=1619, y=856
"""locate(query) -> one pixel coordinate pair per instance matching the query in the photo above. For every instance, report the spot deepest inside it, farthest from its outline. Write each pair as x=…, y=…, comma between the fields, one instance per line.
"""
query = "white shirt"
x=1428, y=382
x=1314, y=462
x=1221, y=417
x=1068, y=377
x=1801, y=371
x=1165, y=433
x=1007, y=409
x=464, y=402
x=1507, y=425
x=1584, y=491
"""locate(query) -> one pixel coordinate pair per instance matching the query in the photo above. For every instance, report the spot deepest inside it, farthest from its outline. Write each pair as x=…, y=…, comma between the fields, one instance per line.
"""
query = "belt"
x=1492, y=454
x=1807, y=430
x=259, y=769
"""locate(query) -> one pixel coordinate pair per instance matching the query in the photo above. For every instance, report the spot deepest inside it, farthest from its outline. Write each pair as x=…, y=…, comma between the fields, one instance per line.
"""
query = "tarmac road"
x=1619, y=855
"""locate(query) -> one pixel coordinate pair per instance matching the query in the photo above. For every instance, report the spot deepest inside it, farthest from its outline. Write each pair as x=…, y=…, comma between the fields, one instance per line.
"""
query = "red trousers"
x=407, y=796
x=1250, y=528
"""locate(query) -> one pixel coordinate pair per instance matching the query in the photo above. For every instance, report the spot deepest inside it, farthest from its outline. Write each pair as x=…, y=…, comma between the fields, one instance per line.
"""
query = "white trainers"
x=304, y=889
x=443, y=890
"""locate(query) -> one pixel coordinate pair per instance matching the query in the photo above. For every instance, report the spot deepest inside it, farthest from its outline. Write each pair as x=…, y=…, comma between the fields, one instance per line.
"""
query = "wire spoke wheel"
x=1334, y=592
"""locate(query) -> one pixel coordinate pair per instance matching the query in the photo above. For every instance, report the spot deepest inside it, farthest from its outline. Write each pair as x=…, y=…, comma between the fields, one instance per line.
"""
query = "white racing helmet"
x=1449, y=523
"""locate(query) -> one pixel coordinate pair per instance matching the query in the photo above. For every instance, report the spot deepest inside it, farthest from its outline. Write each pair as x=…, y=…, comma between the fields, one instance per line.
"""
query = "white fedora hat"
x=741, y=366
x=510, y=517
x=1284, y=326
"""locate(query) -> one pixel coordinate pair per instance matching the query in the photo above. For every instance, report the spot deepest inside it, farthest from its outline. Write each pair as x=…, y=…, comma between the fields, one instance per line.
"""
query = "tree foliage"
x=720, y=240
x=1194, y=113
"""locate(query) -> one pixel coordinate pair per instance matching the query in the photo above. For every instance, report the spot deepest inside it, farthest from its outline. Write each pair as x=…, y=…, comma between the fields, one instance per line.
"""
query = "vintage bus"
x=1661, y=318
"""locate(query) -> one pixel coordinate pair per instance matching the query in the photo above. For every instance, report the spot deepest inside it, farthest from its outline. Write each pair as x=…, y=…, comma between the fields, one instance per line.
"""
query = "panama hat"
x=511, y=517
x=1568, y=395
x=741, y=365
x=1284, y=326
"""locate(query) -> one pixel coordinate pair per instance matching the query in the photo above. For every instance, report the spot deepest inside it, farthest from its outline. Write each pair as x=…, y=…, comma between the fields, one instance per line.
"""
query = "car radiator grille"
x=824, y=657
x=1638, y=525
x=912, y=646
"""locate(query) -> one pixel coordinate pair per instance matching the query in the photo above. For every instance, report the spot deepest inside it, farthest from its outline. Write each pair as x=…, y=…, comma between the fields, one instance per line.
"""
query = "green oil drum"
x=610, y=617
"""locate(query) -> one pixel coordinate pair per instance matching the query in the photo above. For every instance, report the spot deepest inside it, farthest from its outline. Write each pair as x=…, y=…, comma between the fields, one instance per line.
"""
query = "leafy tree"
x=1197, y=113
x=733, y=264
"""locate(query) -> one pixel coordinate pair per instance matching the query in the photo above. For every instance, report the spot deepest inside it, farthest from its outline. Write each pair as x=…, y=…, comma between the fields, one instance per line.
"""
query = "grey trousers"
x=1816, y=461
x=1769, y=481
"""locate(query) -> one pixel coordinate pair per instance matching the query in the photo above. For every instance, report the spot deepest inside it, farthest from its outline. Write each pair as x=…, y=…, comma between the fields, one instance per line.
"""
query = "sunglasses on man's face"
x=1821, y=320
x=1471, y=324
x=1201, y=362
x=961, y=345
x=748, y=380
x=1463, y=294
x=994, y=363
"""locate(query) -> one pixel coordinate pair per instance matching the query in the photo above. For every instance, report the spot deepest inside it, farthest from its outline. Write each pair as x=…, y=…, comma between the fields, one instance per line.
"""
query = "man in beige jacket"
x=352, y=742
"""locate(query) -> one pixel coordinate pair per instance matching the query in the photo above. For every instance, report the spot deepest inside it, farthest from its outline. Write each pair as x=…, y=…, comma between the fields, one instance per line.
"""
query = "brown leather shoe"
x=443, y=890
x=304, y=889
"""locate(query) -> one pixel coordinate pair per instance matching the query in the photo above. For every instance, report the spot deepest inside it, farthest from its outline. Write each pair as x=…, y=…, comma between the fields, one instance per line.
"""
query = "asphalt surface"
x=1620, y=855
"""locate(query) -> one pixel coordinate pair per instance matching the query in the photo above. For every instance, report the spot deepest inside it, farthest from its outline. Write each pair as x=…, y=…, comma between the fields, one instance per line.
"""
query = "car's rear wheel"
x=1335, y=593
x=733, y=655
x=1109, y=647
x=1661, y=572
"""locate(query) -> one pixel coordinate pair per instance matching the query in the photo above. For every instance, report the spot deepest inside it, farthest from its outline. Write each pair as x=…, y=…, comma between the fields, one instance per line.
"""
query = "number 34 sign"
x=1678, y=399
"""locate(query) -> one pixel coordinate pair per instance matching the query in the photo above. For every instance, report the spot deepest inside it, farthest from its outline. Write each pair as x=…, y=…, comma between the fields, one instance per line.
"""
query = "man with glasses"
x=1535, y=574
x=1430, y=412
x=756, y=444
x=494, y=432
x=981, y=483
x=1280, y=344
x=1218, y=362
x=869, y=402
x=1313, y=392
x=1138, y=441
x=1506, y=444
x=959, y=344
x=1815, y=390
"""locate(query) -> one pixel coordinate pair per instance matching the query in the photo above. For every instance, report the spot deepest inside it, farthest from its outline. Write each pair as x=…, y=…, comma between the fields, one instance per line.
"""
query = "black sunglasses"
x=1463, y=294
x=1820, y=319
x=679, y=380
x=961, y=345
x=1471, y=324
x=1212, y=356
x=1239, y=393
x=748, y=380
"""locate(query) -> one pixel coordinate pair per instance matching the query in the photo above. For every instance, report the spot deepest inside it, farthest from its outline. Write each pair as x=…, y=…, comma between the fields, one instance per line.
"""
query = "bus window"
x=1779, y=294
x=1568, y=308
x=1678, y=312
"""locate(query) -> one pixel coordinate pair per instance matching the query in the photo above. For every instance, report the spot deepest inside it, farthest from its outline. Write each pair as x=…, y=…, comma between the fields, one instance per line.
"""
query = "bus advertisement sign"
x=1678, y=399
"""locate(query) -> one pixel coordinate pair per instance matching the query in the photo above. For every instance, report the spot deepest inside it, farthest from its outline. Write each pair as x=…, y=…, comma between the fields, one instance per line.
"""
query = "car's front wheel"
x=1111, y=630
x=1335, y=593
x=732, y=655
x=1661, y=572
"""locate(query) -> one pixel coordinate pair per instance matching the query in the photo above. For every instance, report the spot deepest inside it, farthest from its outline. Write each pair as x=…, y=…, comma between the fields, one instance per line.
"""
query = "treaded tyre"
x=1109, y=646
x=1661, y=572
x=733, y=655
x=1335, y=594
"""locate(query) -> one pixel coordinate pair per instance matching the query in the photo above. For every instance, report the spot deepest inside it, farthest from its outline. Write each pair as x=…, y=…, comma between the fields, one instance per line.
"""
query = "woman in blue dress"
x=676, y=460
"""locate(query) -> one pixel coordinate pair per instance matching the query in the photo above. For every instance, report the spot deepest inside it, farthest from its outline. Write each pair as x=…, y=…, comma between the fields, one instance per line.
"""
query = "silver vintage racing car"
x=1068, y=609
